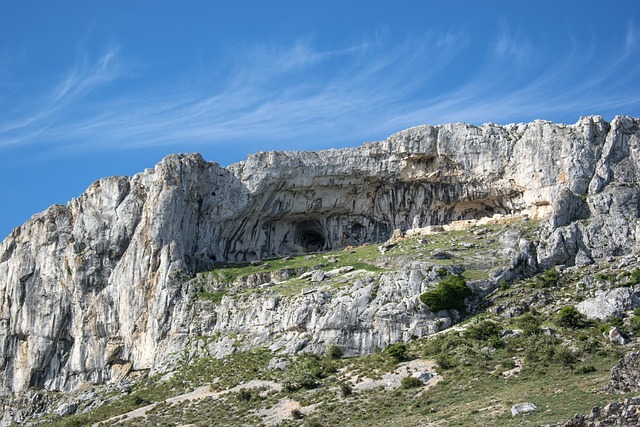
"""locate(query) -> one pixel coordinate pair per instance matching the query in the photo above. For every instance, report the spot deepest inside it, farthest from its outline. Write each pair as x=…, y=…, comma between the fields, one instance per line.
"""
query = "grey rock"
x=317, y=276
x=522, y=408
x=278, y=363
x=609, y=303
x=423, y=376
x=441, y=255
x=67, y=409
x=625, y=376
x=339, y=271
x=299, y=346
x=617, y=337
x=621, y=414
x=508, y=333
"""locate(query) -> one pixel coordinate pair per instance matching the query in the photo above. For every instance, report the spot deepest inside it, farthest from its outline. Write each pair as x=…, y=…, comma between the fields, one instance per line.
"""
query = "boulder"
x=522, y=408
x=609, y=303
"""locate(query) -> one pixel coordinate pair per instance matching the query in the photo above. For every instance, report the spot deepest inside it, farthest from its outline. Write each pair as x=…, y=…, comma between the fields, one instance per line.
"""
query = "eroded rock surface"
x=98, y=287
x=610, y=303
x=625, y=376
x=619, y=414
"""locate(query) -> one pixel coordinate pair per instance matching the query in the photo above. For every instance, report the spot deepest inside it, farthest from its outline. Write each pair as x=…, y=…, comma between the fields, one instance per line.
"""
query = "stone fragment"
x=423, y=376
x=67, y=409
x=278, y=363
x=522, y=408
x=318, y=276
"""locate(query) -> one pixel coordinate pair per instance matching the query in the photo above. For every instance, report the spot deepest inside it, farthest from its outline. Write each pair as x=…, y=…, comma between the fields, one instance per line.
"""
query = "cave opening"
x=310, y=236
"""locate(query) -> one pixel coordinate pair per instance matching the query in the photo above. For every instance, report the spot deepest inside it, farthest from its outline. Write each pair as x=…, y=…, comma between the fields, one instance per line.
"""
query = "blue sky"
x=91, y=89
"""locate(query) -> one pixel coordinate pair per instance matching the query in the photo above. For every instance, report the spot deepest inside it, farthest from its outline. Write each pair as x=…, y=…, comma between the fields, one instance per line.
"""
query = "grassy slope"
x=561, y=372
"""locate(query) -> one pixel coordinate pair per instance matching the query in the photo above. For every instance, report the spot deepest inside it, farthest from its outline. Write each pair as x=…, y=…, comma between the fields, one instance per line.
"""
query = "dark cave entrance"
x=310, y=236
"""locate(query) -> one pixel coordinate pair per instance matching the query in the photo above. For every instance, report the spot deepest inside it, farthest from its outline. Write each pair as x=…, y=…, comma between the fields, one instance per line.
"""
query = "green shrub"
x=483, y=331
x=304, y=374
x=433, y=346
x=334, y=351
x=296, y=414
x=214, y=297
x=244, y=395
x=549, y=278
x=442, y=272
x=564, y=356
x=445, y=361
x=508, y=364
x=569, y=317
x=529, y=323
x=585, y=369
x=346, y=390
x=635, y=277
x=634, y=323
x=449, y=293
x=410, y=382
x=618, y=322
x=606, y=277
x=398, y=352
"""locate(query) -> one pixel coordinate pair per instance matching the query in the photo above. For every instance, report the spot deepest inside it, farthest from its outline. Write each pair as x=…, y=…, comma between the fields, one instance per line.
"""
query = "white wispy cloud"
x=29, y=121
x=299, y=94
x=511, y=45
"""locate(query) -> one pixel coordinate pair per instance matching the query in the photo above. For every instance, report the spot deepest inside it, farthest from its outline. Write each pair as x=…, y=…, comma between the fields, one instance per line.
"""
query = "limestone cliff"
x=101, y=285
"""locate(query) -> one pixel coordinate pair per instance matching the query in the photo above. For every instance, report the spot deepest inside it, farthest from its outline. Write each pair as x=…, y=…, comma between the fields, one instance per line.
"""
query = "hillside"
x=515, y=346
x=285, y=288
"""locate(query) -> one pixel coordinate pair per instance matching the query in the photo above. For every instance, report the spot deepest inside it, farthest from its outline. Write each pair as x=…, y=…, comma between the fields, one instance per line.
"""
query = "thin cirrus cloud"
x=300, y=93
x=29, y=122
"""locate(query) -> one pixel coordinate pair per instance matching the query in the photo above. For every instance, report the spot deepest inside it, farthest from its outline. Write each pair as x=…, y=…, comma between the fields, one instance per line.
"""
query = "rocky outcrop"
x=369, y=310
x=100, y=286
x=610, y=303
x=619, y=414
x=625, y=376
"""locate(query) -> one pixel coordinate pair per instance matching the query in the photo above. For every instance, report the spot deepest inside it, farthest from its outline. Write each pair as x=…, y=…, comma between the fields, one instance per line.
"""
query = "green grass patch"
x=214, y=297
x=475, y=274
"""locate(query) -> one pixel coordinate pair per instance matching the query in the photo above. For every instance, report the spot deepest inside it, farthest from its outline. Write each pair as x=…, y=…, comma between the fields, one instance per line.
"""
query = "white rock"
x=609, y=303
x=522, y=408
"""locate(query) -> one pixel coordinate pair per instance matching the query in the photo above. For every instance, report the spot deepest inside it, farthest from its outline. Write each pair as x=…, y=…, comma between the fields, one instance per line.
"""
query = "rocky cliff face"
x=100, y=286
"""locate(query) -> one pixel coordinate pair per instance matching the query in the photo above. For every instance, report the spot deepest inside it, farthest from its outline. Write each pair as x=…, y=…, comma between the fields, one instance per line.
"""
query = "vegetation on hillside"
x=530, y=345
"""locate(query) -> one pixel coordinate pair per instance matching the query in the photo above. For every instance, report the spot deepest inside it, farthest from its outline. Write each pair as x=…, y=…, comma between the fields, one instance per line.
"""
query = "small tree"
x=334, y=351
x=304, y=374
x=529, y=323
x=487, y=331
x=410, y=382
x=346, y=390
x=398, y=352
x=549, y=278
x=569, y=317
x=449, y=293
x=483, y=331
